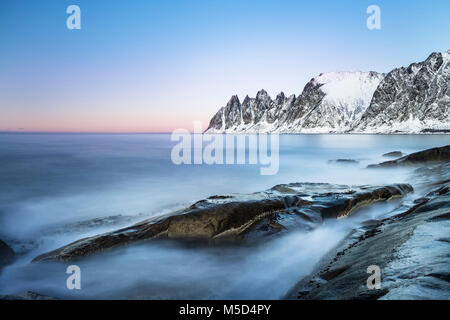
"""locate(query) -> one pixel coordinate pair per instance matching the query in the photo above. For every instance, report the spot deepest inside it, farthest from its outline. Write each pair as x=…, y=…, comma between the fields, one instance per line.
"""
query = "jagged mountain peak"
x=407, y=99
x=246, y=100
x=415, y=99
x=234, y=101
x=280, y=98
x=349, y=92
x=262, y=95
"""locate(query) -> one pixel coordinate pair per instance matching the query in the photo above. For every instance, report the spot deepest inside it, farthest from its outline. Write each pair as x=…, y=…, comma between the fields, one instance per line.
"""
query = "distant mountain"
x=414, y=99
x=406, y=100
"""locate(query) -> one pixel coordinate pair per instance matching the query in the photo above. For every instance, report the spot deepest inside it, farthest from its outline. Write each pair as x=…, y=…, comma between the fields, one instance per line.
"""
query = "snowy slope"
x=347, y=96
x=352, y=89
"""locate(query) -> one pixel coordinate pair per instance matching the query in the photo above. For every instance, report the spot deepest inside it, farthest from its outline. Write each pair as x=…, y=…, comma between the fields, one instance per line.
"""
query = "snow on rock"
x=415, y=99
x=347, y=95
x=350, y=88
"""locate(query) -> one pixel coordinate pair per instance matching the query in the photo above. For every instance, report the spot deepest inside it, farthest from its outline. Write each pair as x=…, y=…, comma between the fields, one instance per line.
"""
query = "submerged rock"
x=240, y=217
x=6, y=255
x=393, y=154
x=441, y=154
x=344, y=161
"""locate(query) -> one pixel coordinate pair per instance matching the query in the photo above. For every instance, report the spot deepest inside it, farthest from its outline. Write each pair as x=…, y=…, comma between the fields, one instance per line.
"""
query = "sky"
x=157, y=66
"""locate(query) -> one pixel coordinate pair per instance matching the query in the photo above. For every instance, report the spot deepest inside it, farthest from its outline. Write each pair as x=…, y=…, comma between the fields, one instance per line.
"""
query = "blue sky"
x=140, y=66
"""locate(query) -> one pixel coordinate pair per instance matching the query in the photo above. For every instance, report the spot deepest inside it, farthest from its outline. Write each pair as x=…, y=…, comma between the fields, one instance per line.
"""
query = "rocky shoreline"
x=434, y=155
x=342, y=273
x=387, y=243
x=234, y=218
x=237, y=219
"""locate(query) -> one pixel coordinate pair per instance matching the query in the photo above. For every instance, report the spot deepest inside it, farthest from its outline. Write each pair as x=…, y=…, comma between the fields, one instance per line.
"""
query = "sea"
x=58, y=188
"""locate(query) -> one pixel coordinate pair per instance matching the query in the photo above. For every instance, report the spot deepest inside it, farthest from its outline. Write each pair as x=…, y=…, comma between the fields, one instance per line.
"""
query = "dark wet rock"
x=441, y=154
x=220, y=197
x=372, y=295
x=371, y=224
x=445, y=216
x=6, y=255
x=420, y=200
x=240, y=217
x=445, y=189
x=393, y=154
x=344, y=161
x=342, y=273
x=81, y=226
x=27, y=295
x=442, y=275
x=333, y=273
x=276, y=225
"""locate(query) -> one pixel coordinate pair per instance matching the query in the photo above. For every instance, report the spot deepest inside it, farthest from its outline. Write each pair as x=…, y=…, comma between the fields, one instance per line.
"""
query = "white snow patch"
x=349, y=89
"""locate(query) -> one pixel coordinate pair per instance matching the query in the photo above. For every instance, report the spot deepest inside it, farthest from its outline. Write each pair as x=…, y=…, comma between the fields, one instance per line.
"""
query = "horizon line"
x=83, y=132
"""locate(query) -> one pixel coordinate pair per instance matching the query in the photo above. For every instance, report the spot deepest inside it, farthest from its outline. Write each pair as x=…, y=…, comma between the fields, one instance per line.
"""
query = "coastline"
x=341, y=273
x=241, y=220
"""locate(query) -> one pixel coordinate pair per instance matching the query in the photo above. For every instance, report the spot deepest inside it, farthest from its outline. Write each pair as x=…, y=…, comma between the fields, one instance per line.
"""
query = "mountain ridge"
x=413, y=99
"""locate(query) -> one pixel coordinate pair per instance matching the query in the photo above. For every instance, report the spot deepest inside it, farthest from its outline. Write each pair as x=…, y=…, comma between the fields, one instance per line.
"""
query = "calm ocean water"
x=53, y=185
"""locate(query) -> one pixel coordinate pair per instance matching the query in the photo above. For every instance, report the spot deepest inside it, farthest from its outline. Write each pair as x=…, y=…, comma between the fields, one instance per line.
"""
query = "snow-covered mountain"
x=346, y=97
x=413, y=99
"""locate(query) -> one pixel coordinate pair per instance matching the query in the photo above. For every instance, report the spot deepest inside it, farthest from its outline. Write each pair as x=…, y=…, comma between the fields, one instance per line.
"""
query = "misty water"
x=58, y=188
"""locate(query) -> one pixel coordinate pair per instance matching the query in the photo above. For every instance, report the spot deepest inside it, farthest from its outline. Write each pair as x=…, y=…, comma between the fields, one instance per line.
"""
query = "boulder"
x=344, y=161
x=393, y=154
x=441, y=154
x=240, y=217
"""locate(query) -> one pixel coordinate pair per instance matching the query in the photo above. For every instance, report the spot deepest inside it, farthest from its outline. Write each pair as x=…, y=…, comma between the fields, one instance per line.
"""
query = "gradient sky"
x=152, y=66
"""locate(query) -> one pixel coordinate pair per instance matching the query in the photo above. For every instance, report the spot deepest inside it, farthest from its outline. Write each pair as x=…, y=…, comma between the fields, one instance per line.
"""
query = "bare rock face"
x=216, y=123
x=240, y=217
x=441, y=154
x=232, y=112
